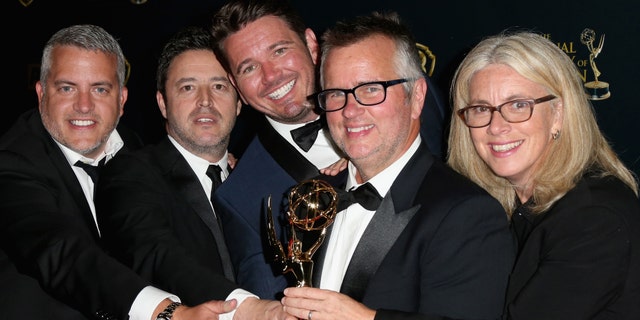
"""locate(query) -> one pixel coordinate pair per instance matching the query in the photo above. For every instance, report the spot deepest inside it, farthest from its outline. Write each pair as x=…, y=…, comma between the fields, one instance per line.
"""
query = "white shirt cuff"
x=147, y=301
x=240, y=295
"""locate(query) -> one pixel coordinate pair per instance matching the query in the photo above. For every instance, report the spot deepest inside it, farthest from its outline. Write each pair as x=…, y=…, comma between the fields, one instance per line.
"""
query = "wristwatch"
x=167, y=313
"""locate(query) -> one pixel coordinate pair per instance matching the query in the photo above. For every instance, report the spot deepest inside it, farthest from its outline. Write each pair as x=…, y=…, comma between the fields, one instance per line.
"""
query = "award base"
x=597, y=90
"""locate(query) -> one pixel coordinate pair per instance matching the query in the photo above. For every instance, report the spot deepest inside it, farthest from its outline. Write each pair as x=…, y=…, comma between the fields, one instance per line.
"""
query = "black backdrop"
x=449, y=28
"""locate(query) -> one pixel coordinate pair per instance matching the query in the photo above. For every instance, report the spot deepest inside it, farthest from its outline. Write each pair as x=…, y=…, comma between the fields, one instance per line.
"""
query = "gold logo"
x=128, y=66
x=426, y=57
x=596, y=90
x=26, y=3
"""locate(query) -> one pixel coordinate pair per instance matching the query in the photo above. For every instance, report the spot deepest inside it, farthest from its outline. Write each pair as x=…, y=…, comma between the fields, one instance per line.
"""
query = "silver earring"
x=555, y=135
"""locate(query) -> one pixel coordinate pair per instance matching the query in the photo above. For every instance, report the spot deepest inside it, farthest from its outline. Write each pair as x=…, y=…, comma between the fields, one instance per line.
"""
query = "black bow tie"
x=366, y=195
x=91, y=170
x=306, y=135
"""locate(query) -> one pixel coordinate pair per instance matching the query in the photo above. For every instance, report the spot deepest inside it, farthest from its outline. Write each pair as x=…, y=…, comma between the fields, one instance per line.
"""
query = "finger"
x=299, y=313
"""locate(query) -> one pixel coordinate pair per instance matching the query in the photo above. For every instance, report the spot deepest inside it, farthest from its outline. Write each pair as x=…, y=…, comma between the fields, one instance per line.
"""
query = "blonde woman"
x=524, y=130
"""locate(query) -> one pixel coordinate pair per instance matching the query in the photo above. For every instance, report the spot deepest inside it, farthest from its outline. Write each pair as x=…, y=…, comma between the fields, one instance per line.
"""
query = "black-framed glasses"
x=367, y=94
x=514, y=111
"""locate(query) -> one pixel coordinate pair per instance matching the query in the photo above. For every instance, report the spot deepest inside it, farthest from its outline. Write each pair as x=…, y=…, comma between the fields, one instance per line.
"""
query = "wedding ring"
x=309, y=315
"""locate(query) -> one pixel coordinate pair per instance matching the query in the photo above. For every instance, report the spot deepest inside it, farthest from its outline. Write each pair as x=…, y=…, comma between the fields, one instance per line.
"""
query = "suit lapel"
x=296, y=165
x=391, y=218
x=184, y=180
x=69, y=179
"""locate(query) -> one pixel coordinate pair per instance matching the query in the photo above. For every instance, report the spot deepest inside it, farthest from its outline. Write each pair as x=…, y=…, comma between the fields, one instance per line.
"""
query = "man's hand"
x=207, y=310
x=253, y=308
x=335, y=168
x=232, y=160
x=313, y=303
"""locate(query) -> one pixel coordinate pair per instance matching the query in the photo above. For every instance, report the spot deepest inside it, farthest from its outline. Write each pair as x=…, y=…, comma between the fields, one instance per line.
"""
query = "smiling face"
x=81, y=103
x=200, y=105
x=372, y=136
x=273, y=69
x=513, y=150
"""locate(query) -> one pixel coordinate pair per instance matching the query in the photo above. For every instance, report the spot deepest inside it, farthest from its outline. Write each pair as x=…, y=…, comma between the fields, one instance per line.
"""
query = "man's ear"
x=161, y=105
x=312, y=44
x=418, y=95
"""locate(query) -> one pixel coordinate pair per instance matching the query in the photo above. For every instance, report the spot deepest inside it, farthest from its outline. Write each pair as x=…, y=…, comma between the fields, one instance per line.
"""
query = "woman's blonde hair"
x=581, y=145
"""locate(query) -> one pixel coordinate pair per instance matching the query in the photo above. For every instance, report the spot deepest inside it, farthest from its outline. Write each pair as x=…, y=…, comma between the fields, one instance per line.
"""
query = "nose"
x=270, y=71
x=498, y=124
x=352, y=106
x=204, y=98
x=84, y=102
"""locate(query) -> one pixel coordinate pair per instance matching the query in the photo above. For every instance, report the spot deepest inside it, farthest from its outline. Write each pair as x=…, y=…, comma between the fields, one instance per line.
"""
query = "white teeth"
x=205, y=120
x=505, y=147
x=82, y=123
x=282, y=91
x=359, y=129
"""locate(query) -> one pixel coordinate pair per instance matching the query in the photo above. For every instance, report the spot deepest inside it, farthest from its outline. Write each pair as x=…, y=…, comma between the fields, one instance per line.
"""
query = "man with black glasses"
x=436, y=245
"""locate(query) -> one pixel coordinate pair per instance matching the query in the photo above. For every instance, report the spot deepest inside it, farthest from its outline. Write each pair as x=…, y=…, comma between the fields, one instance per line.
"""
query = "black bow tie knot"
x=366, y=195
x=306, y=135
x=91, y=170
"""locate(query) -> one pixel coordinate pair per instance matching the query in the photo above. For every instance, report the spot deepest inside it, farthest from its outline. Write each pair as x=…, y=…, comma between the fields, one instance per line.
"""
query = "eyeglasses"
x=513, y=111
x=367, y=94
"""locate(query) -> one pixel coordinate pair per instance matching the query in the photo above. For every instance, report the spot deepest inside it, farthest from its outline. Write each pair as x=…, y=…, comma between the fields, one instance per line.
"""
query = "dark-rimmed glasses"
x=367, y=94
x=514, y=111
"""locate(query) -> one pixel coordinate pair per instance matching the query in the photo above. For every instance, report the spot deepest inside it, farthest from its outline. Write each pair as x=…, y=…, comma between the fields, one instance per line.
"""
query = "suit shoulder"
x=447, y=180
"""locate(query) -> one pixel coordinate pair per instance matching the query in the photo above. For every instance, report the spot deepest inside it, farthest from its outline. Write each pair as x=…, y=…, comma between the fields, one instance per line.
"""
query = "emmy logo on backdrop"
x=596, y=90
x=313, y=205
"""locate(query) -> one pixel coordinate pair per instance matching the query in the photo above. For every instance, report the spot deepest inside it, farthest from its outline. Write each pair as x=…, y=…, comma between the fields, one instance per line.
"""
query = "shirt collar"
x=113, y=145
x=200, y=165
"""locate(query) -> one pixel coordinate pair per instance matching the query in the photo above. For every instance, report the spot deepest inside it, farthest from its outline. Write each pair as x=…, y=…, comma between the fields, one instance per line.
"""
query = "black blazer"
x=50, y=237
x=438, y=246
x=582, y=258
x=156, y=218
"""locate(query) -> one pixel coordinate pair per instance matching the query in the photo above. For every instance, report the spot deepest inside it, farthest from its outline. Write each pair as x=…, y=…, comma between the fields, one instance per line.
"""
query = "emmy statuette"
x=312, y=208
x=596, y=90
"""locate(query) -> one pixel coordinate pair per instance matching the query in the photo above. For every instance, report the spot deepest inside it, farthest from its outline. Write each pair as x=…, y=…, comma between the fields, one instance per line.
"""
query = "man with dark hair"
x=154, y=204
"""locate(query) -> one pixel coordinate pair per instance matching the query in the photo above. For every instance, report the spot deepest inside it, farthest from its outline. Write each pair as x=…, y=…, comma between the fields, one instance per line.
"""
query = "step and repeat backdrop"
x=600, y=37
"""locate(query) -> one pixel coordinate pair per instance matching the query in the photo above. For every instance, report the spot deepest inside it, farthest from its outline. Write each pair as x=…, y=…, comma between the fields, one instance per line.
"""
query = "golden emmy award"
x=313, y=205
x=596, y=90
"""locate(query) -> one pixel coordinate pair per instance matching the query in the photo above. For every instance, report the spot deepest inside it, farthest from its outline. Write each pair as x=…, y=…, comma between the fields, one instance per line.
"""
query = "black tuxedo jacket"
x=51, y=254
x=156, y=218
x=438, y=246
